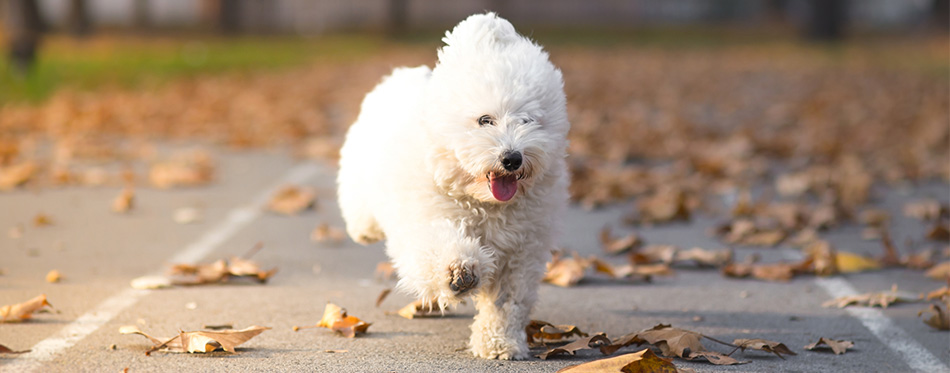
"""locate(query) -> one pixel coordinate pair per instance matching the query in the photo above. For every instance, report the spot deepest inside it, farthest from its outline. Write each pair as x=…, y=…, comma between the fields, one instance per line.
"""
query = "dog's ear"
x=479, y=30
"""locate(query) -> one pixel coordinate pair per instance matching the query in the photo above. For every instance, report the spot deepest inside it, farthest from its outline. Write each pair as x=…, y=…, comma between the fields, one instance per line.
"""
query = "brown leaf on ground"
x=673, y=341
x=199, y=341
x=891, y=255
x=939, y=272
x=942, y=293
x=382, y=296
x=629, y=270
x=940, y=319
x=667, y=204
x=42, y=220
x=184, y=169
x=920, y=260
x=613, y=245
x=621, y=342
x=644, y=361
x=838, y=347
x=881, y=299
x=124, y=201
x=939, y=232
x=16, y=175
x=419, y=309
x=326, y=233
x=385, y=271
x=292, y=199
x=219, y=272
x=53, y=276
x=779, y=271
x=748, y=233
x=336, y=319
x=715, y=358
x=7, y=350
x=765, y=345
x=665, y=254
x=595, y=341
x=875, y=217
x=23, y=311
x=565, y=272
x=821, y=258
x=539, y=332
x=706, y=258
x=852, y=263
x=925, y=209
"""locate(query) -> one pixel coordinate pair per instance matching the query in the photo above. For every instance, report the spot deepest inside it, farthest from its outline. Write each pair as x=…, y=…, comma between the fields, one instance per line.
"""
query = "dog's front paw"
x=498, y=348
x=463, y=277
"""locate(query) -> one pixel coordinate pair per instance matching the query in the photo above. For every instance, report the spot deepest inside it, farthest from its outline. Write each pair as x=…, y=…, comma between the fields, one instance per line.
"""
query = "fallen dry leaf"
x=382, y=296
x=880, y=299
x=23, y=311
x=539, y=332
x=53, y=276
x=385, y=271
x=124, y=201
x=16, y=175
x=7, y=350
x=199, y=341
x=941, y=293
x=838, y=347
x=779, y=271
x=595, y=341
x=939, y=232
x=765, y=345
x=325, y=233
x=667, y=204
x=673, y=341
x=42, y=220
x=705, y=258
x=220, y=271
x=926, y=209
x=186, y=215
x=939, y=272
x=715, y=358
x=613, y=245
x=418, y=309
x=940, y=319
x=665, y=254
x=565, y=272
x=875, y=217
x=621, y=342
x=644, y=361
x=336, y=319
x=852, y=263
x=151, y=282
x=292, y=199
x=183, y=169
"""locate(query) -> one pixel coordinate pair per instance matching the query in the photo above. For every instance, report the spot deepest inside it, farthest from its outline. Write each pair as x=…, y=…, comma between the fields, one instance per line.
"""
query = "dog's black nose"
x=511, y=161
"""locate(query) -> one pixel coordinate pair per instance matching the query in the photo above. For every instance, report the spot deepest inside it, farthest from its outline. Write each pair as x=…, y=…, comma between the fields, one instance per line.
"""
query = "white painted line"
x=913, y=353
x=91, y=321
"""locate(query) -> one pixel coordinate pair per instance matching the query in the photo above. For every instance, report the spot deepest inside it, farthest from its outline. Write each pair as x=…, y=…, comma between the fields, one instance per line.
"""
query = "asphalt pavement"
x=99, y=252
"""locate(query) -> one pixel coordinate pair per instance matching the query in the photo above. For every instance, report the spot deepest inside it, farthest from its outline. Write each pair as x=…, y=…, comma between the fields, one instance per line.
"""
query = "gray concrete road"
x=99, y=252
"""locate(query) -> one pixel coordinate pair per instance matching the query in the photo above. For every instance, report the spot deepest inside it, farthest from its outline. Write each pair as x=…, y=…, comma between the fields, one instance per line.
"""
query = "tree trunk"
x=24, y=26
x=77, y=20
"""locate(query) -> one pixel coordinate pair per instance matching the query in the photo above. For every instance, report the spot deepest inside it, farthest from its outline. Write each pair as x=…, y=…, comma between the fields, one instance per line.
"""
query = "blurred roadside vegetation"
x=143, y=62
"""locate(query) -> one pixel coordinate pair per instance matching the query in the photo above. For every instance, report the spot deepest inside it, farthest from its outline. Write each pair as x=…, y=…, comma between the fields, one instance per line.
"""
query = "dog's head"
x=494, y=111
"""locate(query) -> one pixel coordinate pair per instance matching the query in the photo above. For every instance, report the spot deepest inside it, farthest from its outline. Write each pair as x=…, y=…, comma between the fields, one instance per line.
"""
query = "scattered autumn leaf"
x=53, y=276
x=939, y=232
x=667, y=204
x=595, y=341
x=7, y=350
x=385, y=271
x=382, y=296
x=23, y=311
x=292, y=199
x=336, y=319
x=940, y=319
x=613, y=245
x=703, y=257
x=765, y=345
x=925, y=209
x=852, y=263
x=939, y=272
x=880, y=299
x=673, y=341
x=124, y=201
x=565, y=272
x=941, y=293
x=779, y=271
x=837, y=346
x=418, y=309
x=183, y=169
x=186, y=215
x=641, y=361
x=151, y=282
x=539, y=332
x=715, y=358
x=16, y=175
x=199, y=341
x=326, y=233
x=42, y=220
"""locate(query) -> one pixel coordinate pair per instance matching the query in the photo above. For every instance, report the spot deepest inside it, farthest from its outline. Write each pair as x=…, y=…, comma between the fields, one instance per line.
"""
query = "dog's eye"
x=486, y=120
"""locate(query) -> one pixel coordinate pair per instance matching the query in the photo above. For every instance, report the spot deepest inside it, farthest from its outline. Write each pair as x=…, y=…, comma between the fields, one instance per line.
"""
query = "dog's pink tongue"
x=503, y=187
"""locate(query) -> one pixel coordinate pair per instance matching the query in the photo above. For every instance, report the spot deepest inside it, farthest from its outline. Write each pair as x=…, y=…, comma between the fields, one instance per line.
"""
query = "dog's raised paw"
x=463, y=278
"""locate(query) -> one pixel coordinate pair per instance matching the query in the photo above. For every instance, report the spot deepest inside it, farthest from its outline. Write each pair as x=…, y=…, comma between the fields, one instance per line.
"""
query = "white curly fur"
x=414, y=171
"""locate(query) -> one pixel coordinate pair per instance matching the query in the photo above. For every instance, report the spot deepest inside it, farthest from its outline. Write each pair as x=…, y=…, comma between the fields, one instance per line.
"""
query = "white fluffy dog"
x=462, y=170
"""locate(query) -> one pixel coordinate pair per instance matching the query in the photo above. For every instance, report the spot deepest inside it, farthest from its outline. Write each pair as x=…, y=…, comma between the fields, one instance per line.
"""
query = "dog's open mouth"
x=503, y=187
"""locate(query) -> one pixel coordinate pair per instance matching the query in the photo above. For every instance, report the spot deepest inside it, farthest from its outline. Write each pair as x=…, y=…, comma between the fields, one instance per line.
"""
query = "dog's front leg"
x=503, y=309
x=437, y=262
